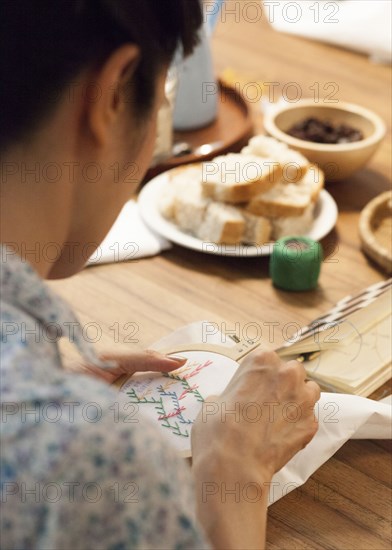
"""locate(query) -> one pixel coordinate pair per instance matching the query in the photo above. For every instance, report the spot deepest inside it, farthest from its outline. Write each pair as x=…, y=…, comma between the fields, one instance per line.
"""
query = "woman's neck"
x=35, y=204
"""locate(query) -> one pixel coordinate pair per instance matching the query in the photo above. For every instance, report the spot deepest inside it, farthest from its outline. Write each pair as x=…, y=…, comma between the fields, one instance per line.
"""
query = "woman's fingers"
x=313, y=389
x=144, y=361
x=141, y=361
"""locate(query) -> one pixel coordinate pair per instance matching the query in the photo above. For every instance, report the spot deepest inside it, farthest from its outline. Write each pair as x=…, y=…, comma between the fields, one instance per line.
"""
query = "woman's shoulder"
x=85, y=445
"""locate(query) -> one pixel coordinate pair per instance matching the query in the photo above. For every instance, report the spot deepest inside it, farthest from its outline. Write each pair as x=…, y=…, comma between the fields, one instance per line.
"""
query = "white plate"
x=325, y=216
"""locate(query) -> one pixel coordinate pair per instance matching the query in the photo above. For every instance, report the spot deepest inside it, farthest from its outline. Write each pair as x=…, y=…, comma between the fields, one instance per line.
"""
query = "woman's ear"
x=106, y=104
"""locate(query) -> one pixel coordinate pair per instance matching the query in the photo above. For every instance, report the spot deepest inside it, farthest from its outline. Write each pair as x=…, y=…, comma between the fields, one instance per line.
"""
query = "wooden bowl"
x=337, y=161
x=375, y=230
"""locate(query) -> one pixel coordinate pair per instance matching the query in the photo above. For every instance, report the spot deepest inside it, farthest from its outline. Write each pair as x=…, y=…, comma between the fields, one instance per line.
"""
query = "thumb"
x=143, y=361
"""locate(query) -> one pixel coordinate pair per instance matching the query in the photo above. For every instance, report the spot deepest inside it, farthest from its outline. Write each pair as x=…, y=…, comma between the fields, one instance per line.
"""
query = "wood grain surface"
x=347, y=503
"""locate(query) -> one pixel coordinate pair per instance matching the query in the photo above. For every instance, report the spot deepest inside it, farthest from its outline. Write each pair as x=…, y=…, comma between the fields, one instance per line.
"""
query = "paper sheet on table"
x=341, y=416
x=361, y=25
x=128, y=239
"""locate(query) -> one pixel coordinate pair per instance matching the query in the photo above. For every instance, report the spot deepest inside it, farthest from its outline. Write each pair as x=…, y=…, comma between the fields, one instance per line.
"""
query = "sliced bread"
x=190, y=208
x=236, y=178
x=222, y=223
x=294, y=165
x=184, y=202
x=257, y=228
x=293, y=225
x=289, y=199
x=167, y=202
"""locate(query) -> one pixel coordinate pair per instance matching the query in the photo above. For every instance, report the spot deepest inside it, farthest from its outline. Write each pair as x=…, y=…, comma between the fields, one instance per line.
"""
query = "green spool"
x=295, y=263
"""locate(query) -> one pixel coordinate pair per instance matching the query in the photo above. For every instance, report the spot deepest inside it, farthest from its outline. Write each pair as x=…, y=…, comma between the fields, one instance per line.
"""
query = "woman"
x=82, y=82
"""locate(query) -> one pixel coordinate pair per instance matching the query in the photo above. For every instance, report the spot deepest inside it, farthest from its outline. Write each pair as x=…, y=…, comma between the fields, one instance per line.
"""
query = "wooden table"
x=346, y=504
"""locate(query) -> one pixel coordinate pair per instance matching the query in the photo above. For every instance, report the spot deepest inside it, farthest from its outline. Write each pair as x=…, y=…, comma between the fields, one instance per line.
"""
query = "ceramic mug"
x=196, y=102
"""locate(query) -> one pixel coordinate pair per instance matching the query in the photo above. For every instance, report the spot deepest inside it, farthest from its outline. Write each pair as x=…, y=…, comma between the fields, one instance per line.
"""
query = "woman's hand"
x=267, y=411
x=240, y=439
x=142, y=361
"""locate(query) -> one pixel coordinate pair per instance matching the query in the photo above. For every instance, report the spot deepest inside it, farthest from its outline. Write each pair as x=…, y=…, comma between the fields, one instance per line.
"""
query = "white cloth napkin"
x=128, y=239
x=360, y=25
x=341, y=416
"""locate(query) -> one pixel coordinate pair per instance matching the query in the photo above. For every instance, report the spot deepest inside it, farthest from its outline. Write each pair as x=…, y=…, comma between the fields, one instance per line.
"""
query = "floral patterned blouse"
x=77, y=471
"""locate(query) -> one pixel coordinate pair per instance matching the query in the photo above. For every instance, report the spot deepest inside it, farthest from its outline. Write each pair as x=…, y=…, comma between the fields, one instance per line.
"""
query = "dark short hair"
x=45, y=44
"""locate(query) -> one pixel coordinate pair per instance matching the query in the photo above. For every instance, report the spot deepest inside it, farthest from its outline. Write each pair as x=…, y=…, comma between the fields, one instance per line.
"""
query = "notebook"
x=349, y=348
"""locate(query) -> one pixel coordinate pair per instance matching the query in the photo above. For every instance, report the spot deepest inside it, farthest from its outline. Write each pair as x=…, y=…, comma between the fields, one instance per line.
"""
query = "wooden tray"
x=375, y=229
x=231, y=131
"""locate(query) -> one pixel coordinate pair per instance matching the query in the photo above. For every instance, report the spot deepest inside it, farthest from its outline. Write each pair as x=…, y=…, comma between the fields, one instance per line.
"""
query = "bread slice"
x=289, y=199
x=236, y=178
x=166, y=203
x=222, y=223
x=181, y=179
x=294, y=165
x=257, y=228
x=184, y=201
x=293, y=225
